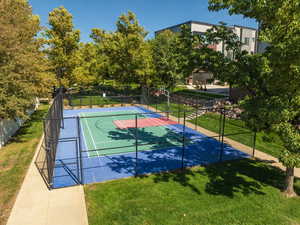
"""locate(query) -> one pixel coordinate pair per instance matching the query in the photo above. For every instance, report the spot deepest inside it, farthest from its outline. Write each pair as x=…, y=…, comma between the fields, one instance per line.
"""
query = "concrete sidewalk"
x=36, y=205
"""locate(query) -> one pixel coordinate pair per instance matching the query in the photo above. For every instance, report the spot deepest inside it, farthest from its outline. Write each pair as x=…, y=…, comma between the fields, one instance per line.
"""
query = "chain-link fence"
x=53, y=122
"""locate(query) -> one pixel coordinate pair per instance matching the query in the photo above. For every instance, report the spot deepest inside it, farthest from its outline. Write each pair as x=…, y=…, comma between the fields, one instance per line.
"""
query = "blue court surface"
x=77, y=162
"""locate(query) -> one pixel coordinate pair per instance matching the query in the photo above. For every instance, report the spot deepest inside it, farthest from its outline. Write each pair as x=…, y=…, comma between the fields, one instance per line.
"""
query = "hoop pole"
x=220, y=124
x=196, y=119
x=222, y=139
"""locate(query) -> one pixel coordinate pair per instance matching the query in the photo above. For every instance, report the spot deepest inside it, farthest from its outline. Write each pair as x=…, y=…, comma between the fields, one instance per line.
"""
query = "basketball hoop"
x=164, y=91
x=157, y=93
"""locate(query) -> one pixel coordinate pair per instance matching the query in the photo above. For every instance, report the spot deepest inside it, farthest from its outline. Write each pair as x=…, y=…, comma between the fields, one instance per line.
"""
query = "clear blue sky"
x=152, y=14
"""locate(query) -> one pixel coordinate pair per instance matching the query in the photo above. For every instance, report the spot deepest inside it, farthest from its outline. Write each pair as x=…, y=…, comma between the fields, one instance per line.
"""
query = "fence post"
x=80, y=150
x=222, y=137
x=77, y=159
x=178, y=113
x=196, y=119
x=254, y=143
x=220, y=123
x=136, y=145
x=90, y=101
x=62, y=111
x=183, y=141
x=48, y=154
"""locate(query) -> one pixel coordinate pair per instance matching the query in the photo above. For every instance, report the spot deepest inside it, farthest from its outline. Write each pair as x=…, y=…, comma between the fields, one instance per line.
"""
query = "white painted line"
x=83, y=136
x=90, y=132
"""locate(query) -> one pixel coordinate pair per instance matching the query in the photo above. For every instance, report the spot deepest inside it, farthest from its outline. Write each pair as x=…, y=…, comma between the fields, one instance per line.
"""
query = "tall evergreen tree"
x=23, y=67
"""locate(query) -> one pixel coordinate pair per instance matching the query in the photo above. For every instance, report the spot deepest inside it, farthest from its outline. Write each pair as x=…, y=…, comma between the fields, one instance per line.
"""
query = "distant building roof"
x=201, y=23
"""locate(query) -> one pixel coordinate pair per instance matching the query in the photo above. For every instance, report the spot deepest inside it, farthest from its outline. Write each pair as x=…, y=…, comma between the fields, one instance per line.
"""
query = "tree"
x=104, y=66
x=186, y=46
x=165, y=59
x=23, y=67
x=221, y=64
x=86, y=70
x=127, y=50
x=275, y=102
x=63, y=43
x=194, y=52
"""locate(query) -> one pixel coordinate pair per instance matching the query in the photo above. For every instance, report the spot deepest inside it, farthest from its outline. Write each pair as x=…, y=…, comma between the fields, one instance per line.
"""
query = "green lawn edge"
x=241, y=192
x=269, y=143
x=15, y=158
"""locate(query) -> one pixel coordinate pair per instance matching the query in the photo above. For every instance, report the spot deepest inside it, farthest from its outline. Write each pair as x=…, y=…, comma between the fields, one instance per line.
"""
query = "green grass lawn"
x=87, y=100
x=174, y=108
x=266, y=142
x=196, y=94
x=241, y=192
x=92, y=100
x=15, y=158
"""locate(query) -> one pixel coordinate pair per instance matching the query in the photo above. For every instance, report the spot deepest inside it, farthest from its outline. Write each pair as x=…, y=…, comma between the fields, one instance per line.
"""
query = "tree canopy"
x=62, y=45
x=165, y=59
x=23, y=66
x=273, y=78
x=129, y=55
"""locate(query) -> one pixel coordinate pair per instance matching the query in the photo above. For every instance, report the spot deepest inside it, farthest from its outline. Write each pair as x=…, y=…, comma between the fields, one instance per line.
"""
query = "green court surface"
x=100, y=133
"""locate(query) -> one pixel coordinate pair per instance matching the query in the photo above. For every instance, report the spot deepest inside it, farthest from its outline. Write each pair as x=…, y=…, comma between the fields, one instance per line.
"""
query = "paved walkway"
x=36, y=205
x=213, y=89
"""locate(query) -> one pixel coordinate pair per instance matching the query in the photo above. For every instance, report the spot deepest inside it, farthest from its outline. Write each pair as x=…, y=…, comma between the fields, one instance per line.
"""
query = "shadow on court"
x=167, y=157
x=165, y=153
x=160, y=149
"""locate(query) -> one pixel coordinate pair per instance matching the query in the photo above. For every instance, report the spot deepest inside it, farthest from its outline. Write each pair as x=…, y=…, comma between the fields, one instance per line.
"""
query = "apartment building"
x=247, y=35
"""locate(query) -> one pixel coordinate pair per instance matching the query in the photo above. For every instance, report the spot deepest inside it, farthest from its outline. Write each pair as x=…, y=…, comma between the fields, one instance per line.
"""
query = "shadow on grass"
x=26, y=129
x=229, y=178
x=180, y=176
x=232, y=177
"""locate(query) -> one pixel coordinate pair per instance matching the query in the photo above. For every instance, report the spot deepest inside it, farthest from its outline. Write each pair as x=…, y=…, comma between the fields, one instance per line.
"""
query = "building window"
x=246, y=41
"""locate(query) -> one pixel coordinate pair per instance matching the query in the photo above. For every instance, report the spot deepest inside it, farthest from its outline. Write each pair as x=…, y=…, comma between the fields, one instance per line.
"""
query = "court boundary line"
x=89, y=133
x=133, y=111
x=114, y=118
x=82, y=132
x=169, y=127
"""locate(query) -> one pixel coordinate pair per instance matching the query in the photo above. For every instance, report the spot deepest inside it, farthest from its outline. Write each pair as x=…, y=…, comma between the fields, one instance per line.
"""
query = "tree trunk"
x=289, y=183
